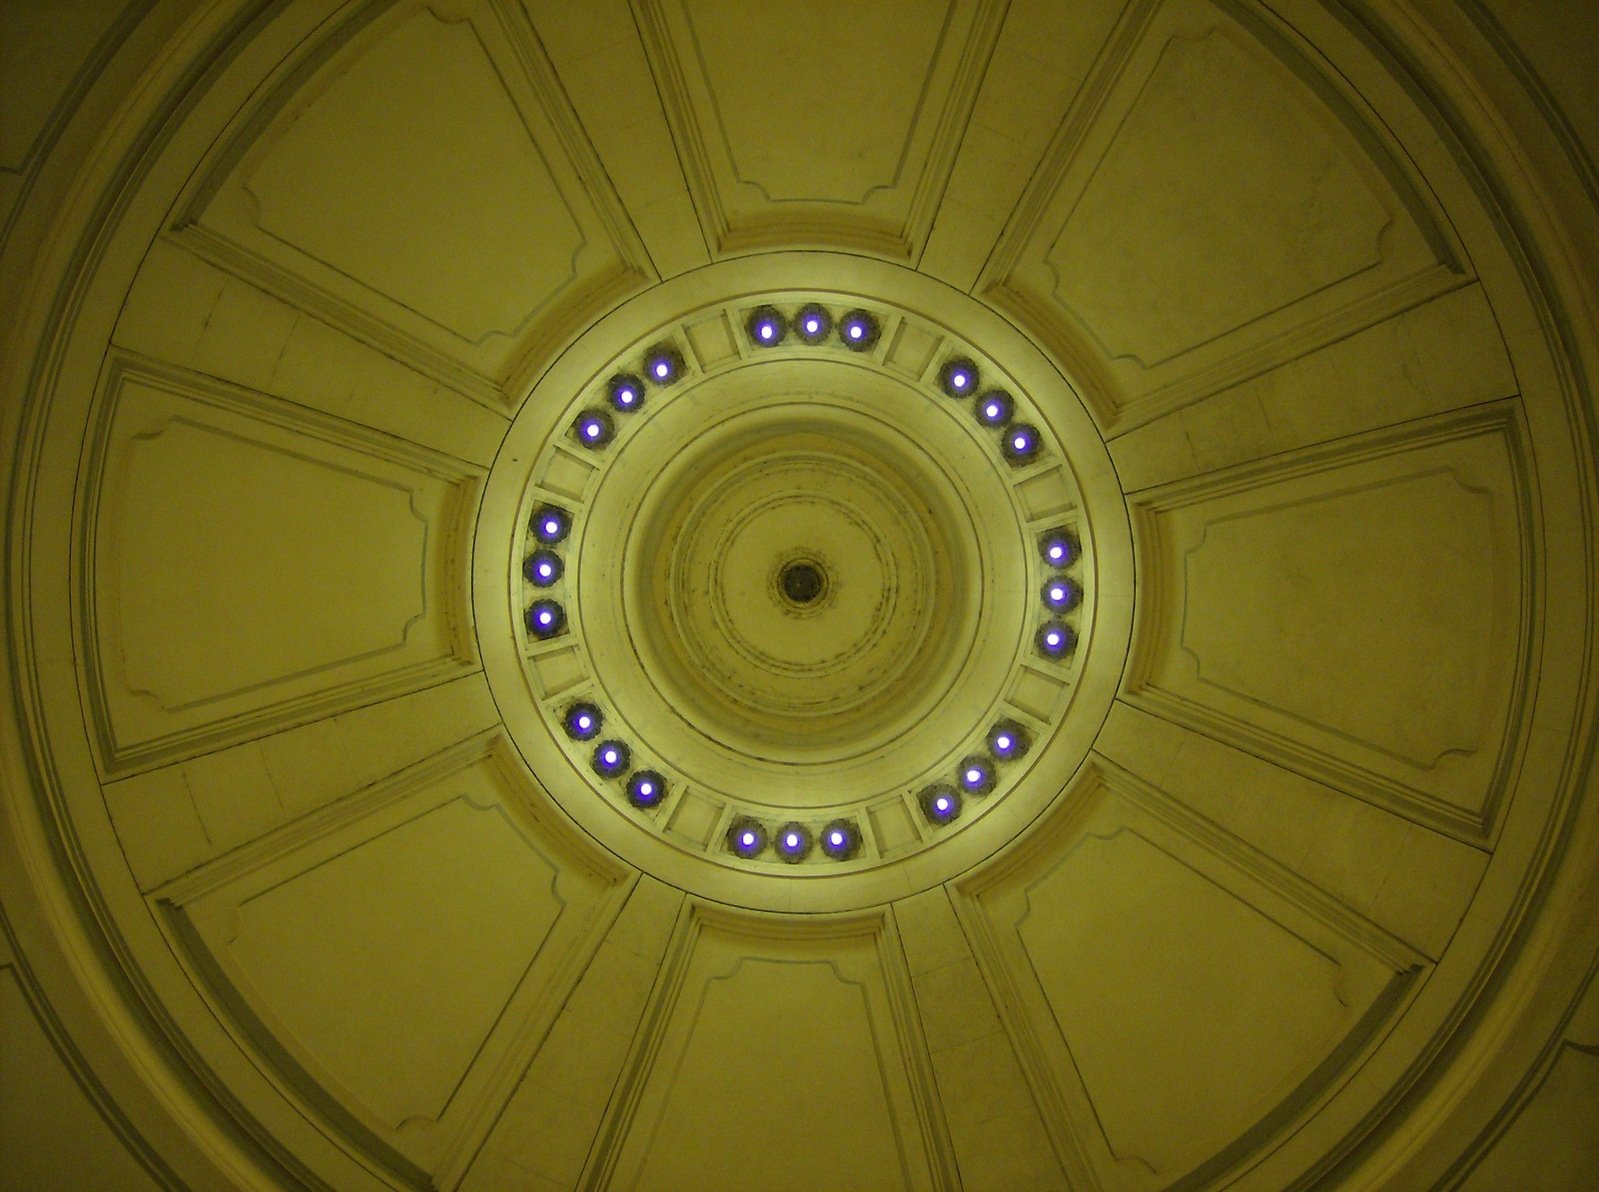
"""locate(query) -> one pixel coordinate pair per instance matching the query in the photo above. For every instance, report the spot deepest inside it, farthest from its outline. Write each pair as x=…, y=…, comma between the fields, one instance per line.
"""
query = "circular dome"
x=801, y=580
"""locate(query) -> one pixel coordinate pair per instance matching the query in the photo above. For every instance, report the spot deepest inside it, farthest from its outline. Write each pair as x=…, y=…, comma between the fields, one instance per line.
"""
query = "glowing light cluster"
x=793, y=841
x=583, y=722
x=976, y=775
x=1061, y=594
x=813, y=324
x=546, y=617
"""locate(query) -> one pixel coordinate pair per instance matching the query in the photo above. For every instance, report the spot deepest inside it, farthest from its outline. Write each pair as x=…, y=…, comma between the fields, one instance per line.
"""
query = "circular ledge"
x=919, y=529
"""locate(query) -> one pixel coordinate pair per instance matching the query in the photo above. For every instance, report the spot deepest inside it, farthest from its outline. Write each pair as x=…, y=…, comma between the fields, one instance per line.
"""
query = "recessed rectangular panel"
x=764, y=1025
x=323, y=946
x=255, y=563
x=1354, y=612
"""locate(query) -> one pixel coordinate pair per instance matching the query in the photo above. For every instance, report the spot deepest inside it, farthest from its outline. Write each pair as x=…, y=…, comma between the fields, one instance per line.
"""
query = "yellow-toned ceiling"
x=1278, y=873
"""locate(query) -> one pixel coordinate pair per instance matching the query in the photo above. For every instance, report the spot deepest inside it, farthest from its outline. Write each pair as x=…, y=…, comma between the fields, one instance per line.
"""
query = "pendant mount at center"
x=802, y=581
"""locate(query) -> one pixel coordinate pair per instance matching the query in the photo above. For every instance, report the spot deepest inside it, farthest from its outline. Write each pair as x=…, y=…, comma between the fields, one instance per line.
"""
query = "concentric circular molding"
x=803, y=580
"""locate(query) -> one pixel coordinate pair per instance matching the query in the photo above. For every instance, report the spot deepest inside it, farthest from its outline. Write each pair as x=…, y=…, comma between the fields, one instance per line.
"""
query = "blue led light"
x=1060, y=593
x=766, y=327
x=545, y=619
x=626, y=392
x=812, y=324
x=976, y=775
x=793, y=842
x=1020, y=442
x=663, y=365
x=542, y=568
x=1007, y=740
x=646, y=788
x=995, y=408
x=940, y=803
x=1058, y=547
x=610, y=758
x=583, y=721
x=858, y=330
x=1055, y=640
x=746, y=837
x=958, y=377
x=593, y=428
x=550, y=524
x=841, y=839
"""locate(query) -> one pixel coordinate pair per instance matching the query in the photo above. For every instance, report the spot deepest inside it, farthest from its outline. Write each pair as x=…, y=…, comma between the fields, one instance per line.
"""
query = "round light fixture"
x=1006, y=740
x=593, y=428
x=841, y=840
x=976, y=775
x=746, y=837
x=626, y=392
x=1055, y=640
x=542, y=568
x=859, y=330
x=545, y=619
x=813, y=323
x=995, y=408
x=793, y=842
x=940, y=803
x=646, y=788
x=610, y=758
x=663, y=364
x=582, y=721
x=550, y=524
x=1058, y=547
x=766, y=327
x=1021, y=443
x=958, y=377
x=1061, y=593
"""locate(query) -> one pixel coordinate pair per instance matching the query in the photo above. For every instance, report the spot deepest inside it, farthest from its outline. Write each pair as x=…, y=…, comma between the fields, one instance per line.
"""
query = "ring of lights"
x=951, y=656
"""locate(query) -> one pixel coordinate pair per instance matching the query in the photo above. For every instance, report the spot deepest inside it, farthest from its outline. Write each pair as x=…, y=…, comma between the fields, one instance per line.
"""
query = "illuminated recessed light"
x=646, y=788
x=663, y=364
x=812, y=324
x=793, y=842
x=1007, y=740
x=626, y=392
x=958, y=377
x=542, y=568
x=1055, y=640
x=976, y=775
x=940, y=803
x=550, y=524
x=610, y=758
x=841, y=839
x=582, y=721
x=1061, y=593
x=746, y=837
x=1020, y=443
x=545, y=618
x=858, y=330
x=995, y=408
x=766, y=326
x=1058, y=547
x=593, y=428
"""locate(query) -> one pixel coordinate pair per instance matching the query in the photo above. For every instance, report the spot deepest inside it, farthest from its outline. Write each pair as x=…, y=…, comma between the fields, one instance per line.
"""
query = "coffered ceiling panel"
x=1211, y=137
x=472, y=226
x=393, y=960
x=1175, y=997
x=312, y=558
x=780, y=1055
x=1288, y=555
x=834, y=124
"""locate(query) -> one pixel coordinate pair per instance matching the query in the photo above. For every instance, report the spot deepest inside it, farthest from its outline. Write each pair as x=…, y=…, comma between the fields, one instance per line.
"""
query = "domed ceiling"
x=690, y=594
